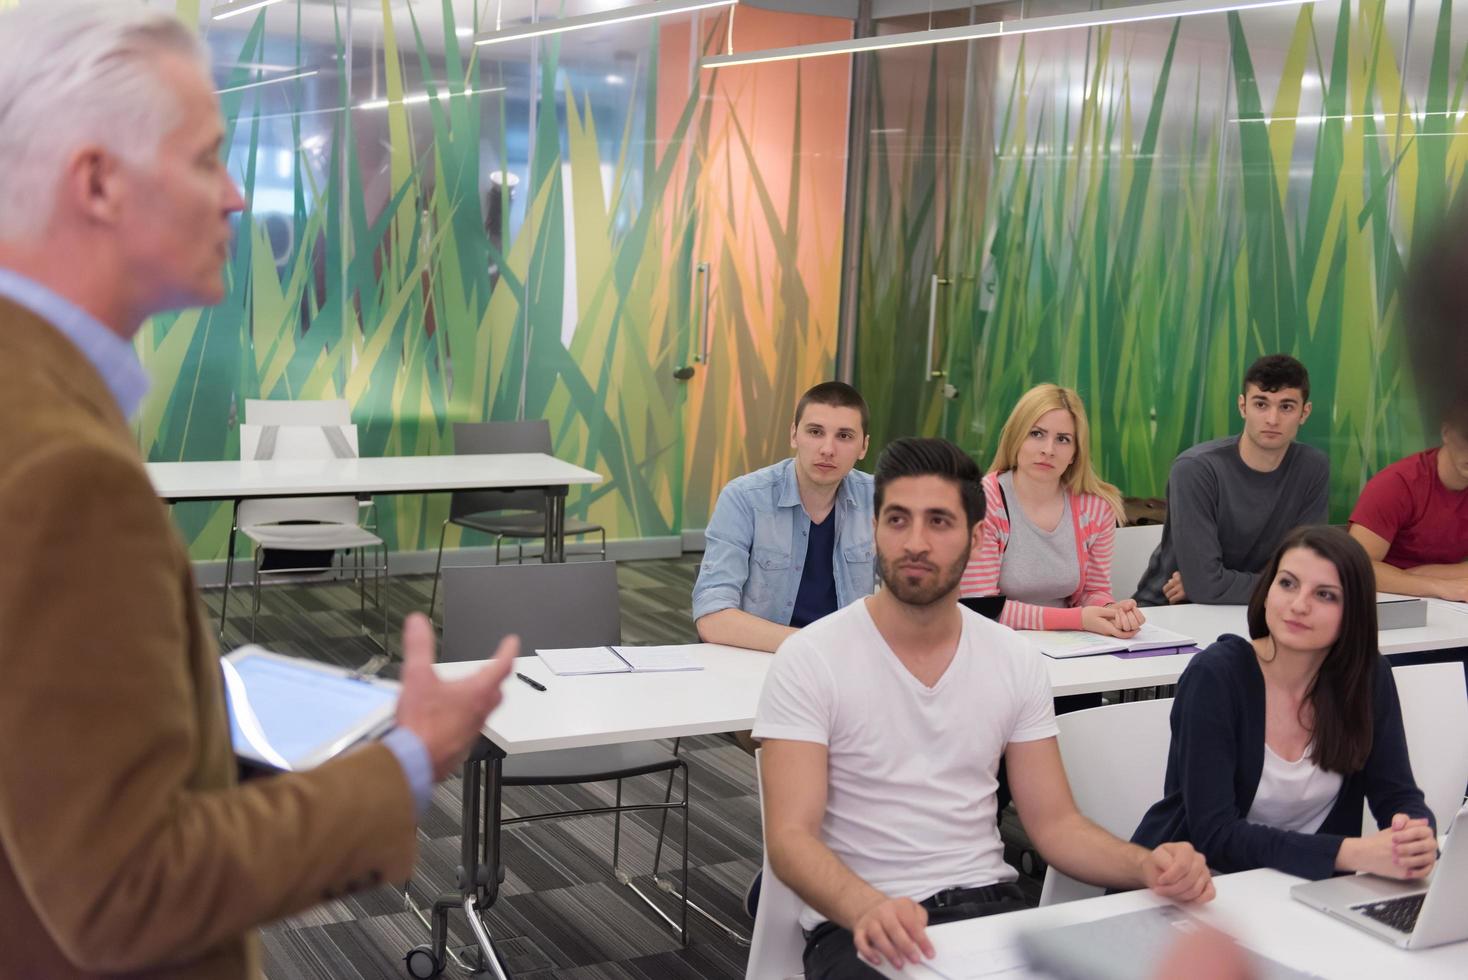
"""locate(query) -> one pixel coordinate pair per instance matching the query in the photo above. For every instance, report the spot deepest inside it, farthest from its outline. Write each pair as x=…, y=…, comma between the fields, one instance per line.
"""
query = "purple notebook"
x=1164, y=652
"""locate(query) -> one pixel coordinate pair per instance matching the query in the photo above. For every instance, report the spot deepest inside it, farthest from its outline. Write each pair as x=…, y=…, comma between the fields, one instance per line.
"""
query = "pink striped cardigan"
x=1095, y=530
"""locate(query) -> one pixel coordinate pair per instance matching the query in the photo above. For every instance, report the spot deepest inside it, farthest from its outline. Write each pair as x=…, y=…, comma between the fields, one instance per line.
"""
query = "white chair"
x=276, y=411
x=291, y=411
x=1134, y=547
x=777, y=948
x=1115, y=757
x=303, y=524
x=1435, y=718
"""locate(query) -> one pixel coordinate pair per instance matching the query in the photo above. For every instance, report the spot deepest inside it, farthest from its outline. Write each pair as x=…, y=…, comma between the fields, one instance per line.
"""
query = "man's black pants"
x=830, y=951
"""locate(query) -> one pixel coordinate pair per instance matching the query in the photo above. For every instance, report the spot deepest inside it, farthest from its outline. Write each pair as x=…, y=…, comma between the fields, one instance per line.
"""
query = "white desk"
x=1254, y=906
x=241, y=479
x=577, y=713
x=238, y=479
x=607, y=709
x=724, y=697
x=1446, y=629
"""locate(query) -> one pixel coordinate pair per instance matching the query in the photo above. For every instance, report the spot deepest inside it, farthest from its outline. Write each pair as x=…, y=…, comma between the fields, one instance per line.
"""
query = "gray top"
x=1224, y=520
x=1038, y=567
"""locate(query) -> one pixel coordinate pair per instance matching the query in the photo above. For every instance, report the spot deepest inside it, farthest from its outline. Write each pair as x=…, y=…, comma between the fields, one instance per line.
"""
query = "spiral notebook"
x=571, y=661
x=1063, y=644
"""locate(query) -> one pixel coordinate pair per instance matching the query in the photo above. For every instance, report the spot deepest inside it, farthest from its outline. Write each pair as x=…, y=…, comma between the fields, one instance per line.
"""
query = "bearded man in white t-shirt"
x=883, y=725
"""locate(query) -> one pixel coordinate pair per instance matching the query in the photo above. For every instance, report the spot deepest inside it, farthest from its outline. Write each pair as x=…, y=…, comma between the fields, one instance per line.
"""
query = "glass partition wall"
x=583, y=227
x=1139, y=210
x=593, y=228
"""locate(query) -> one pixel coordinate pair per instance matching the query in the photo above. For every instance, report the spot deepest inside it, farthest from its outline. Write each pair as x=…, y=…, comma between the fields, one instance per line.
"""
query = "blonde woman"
x=1050, y=524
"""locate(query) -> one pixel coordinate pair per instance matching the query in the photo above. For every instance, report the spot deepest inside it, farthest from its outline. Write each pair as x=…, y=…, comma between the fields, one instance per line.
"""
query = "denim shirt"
x=756, y=540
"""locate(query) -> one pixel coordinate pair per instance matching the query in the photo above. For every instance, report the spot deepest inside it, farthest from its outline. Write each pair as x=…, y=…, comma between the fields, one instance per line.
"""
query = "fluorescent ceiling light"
x=642, y=11
x=973, y=32
x=424, y=97
x=240, y=7
x=268, y=81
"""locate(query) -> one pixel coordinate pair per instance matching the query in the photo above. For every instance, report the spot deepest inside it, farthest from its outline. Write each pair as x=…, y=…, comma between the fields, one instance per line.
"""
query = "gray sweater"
x=1224, y=520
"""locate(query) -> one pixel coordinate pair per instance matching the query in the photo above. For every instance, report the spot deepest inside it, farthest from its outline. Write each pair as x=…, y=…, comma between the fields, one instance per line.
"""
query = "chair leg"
x=617, y=831
x=498, y=539
x=255, y=606
x=687, y=819
x=381, y=605
x=603, y=544
x=438, y=569
x=228, y=578
x=657, y=853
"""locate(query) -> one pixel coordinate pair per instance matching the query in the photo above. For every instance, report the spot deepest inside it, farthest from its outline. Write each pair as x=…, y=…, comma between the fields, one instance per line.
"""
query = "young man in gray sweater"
x=1231, y=501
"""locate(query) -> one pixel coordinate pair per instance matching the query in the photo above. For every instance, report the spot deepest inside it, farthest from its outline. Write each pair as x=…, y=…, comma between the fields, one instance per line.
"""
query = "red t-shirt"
x=1426, y=523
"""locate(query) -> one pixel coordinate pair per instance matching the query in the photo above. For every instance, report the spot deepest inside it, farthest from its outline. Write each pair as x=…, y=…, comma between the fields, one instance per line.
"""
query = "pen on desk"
x=531, y=681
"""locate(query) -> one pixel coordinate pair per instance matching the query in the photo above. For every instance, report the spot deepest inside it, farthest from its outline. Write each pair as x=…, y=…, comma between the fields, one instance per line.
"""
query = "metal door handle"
x=701, y=273
x=929, y=372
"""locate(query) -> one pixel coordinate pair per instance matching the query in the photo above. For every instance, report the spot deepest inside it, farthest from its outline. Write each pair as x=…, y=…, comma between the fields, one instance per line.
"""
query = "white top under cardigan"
x=1295, y=795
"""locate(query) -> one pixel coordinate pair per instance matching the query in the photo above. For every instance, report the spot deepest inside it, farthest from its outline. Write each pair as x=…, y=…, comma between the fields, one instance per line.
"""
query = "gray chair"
x=515, y=514
x=550, y=606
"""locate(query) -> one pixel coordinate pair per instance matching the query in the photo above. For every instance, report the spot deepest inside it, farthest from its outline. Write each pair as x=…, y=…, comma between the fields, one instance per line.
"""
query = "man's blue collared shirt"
x=113, y=357
x=755, y=544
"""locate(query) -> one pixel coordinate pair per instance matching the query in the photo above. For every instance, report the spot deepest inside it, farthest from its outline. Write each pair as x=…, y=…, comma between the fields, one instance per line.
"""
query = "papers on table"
x=958, y=962
x=616, y=660
x=1062, y=644
x=1457, y=607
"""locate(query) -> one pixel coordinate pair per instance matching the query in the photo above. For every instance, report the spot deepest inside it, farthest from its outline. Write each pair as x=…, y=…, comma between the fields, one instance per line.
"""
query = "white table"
x=582, y=712
x=242, y=479
x=1446, y=629
x=607, y=709
x=1253, y=906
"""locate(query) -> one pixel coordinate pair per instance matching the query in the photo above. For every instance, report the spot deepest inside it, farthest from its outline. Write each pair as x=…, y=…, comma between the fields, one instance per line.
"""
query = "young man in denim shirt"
x=792, y=542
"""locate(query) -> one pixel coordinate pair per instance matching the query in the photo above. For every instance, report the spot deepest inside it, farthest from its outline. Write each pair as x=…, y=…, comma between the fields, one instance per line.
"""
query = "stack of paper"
x=1079, y=643
x=616, y=660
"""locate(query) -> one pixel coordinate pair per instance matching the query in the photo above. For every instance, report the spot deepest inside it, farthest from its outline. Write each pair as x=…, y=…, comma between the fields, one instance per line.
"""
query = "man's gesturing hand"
x=447, y=715
x=893, y=929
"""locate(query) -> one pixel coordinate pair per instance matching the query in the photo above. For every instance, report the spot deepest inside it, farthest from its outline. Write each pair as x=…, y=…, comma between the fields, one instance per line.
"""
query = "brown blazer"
x=125, y=846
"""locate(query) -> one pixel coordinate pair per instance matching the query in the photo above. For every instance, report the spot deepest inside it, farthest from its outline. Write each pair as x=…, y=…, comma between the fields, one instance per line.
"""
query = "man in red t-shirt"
x=1412, y=519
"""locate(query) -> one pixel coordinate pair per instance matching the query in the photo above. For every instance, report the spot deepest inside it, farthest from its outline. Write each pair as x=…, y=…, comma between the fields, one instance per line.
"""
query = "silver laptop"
x=1412, y=915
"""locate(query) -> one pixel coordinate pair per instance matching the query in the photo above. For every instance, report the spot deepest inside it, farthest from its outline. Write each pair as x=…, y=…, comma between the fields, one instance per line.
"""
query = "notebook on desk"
x=1063, y=644
x=571, y=661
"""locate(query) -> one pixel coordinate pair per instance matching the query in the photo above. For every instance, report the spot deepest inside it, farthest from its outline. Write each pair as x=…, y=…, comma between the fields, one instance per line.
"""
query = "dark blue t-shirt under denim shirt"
x=816, y=596
x=1217, y=757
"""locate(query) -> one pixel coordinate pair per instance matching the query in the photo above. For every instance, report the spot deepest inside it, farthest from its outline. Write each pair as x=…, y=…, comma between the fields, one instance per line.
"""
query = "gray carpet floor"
x=561, y=912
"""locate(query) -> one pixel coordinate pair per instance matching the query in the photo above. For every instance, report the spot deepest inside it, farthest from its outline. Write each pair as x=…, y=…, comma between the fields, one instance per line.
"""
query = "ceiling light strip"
x=421, y=97
x=660, y=8
x=240, y=7
x=268, y=81
x=973, y=32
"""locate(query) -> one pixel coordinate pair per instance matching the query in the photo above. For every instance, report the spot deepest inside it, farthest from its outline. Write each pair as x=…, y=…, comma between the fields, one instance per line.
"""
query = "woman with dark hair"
x=1277, y=740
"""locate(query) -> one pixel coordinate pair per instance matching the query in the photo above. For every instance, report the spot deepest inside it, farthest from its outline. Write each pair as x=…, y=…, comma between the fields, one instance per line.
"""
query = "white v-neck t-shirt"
x=910, y=798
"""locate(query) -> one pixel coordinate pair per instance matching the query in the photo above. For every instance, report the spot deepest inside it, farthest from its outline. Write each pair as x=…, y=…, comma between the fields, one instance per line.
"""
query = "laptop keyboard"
x=1399, y=913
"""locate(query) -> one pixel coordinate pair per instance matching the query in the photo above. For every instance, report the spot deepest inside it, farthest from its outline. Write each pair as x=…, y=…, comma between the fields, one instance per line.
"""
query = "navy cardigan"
x=1217, y=757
